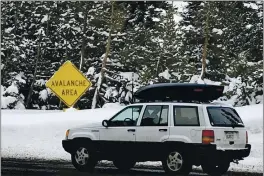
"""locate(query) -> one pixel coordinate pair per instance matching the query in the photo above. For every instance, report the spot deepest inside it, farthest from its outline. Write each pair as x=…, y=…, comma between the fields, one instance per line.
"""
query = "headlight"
x=67, y=133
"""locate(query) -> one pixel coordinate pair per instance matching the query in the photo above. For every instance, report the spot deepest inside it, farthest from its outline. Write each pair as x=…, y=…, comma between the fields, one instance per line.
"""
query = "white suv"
x=179, y=135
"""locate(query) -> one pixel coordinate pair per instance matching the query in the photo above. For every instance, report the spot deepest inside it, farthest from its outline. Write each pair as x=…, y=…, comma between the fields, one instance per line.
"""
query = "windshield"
x=224, y=116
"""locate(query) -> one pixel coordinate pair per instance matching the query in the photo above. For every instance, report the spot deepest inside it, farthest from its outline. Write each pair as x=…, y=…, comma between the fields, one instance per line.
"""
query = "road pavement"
x=29, y=167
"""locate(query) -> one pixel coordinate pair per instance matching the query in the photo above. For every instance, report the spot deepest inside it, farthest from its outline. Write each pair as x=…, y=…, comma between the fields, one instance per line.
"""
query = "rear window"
x=224, y=116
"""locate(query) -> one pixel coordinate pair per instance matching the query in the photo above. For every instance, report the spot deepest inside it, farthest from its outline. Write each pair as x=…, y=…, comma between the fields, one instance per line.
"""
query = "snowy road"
x=51, y=167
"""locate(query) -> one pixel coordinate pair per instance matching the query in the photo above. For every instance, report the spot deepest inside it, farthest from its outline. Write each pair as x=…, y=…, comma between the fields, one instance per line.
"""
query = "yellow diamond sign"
x=68, y=83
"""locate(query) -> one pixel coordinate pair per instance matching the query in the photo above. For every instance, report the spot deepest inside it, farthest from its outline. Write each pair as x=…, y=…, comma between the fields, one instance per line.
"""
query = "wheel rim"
x=174, y=161
x=81, y=156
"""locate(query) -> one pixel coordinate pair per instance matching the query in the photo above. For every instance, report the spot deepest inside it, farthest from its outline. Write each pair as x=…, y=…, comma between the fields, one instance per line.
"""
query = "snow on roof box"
x=179, y=92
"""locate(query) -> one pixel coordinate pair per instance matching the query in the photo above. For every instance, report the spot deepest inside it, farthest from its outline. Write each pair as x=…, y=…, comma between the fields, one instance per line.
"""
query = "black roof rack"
x=179, y=92
x=170, y=101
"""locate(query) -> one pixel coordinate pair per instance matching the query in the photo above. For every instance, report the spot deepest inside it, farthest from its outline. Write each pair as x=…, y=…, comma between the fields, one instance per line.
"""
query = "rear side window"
x=224, y=116
x=155, y=115
x=186, y=116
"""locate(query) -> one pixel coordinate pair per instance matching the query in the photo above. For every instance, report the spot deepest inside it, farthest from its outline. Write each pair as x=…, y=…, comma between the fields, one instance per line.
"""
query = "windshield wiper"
x=233, y=125
x=233, y=122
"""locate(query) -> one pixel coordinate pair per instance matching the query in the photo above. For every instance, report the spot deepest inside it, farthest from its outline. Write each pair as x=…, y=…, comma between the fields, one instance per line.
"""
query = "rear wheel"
x=176, y=162
x=216, y=169
x=124, y=165
x=83, y=159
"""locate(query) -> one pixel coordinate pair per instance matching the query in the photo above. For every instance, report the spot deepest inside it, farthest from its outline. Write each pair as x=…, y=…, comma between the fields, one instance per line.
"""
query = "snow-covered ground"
x=38, y=134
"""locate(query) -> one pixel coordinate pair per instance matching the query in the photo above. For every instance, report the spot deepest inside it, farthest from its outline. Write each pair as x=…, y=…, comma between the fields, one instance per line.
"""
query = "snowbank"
x=71, y=109
x=129, y=76
x=112, y=105
x=197, y=79
x=252, y=116
x=38, y=134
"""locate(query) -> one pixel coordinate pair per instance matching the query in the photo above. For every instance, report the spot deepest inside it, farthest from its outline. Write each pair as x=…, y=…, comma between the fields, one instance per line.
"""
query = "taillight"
x=207, y=136
x=246, y=137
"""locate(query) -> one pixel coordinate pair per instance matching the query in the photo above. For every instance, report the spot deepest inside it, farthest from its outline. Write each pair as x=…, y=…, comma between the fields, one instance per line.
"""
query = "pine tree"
x=229, y=51
x=11, y=97
x=202, y=29
x=244, y=43
x=169, y=67
x=141, y=52
x=145, y=41
x=114, y=24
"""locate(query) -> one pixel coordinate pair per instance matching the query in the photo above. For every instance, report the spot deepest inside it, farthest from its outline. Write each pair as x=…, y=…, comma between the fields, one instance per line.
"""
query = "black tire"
x=176, y=162
x=83, y=159
x=124, y=165
x=216, y=169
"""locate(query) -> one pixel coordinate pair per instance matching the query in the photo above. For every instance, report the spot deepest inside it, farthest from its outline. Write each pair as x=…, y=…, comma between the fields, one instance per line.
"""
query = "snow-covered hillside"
x=38, y=134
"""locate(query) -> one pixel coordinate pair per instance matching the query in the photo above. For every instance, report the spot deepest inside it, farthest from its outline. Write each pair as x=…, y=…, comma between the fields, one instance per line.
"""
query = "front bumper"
x=67, y=145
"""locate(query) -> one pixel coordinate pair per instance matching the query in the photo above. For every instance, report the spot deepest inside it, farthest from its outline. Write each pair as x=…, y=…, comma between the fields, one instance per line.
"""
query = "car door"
x=186, y=124
x=120, y=134
x=152, y=129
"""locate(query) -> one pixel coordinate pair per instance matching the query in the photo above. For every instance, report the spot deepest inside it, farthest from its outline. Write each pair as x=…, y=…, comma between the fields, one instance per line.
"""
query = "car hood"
x=93, y=125
x=90, y=125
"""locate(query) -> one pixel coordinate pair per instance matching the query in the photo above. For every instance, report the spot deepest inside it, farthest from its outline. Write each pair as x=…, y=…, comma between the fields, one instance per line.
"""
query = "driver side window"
x=127, y=117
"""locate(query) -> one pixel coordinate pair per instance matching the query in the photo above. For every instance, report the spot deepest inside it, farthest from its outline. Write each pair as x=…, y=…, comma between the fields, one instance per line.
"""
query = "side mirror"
x=105, y=123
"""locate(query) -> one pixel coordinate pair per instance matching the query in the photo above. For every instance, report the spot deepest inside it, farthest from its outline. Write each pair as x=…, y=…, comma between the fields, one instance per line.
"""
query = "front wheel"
x=83, y=159
x=176, y=162
x=216, y=169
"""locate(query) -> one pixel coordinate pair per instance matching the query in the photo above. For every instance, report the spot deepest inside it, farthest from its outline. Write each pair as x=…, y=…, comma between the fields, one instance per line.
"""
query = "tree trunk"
x=132, y=101
x=36, y=65
x=102, y=73
x=3, y=71
x=35, y=73
x=16, y=20
x=60, y=104
x=157, y=67
x=206, y=31
x=83, y=37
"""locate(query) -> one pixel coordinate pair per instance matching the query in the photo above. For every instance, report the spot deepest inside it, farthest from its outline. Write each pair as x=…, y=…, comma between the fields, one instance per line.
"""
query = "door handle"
x=163, y=130
x=131, y=130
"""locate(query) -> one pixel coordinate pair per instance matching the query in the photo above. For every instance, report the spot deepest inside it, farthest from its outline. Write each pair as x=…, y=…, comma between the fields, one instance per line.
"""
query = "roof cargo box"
x=186, y=92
